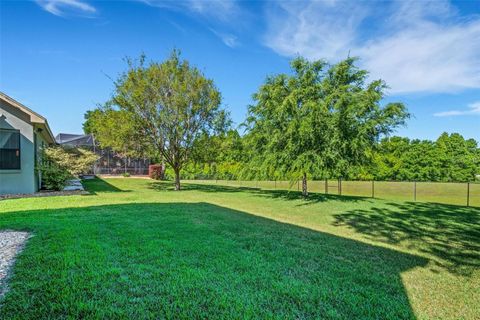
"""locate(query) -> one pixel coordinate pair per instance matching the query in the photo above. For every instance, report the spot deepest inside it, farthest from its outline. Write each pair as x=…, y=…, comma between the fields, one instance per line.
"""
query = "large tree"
x=115, y=129
x=318, y=121
x=169, y=104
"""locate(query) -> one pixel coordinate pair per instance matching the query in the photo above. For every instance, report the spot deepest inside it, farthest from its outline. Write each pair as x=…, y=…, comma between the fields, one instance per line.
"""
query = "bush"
x=76, y=160
x=126, y=175
x=57, y=165
x=155, y=171
x=54, y=177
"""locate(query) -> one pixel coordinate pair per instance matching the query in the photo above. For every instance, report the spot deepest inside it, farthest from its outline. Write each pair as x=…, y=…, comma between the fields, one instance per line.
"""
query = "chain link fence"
x=454, y=193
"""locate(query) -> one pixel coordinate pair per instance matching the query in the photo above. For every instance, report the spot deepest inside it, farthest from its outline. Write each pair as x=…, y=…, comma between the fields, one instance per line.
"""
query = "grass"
x=437, y=192
x=136, y=249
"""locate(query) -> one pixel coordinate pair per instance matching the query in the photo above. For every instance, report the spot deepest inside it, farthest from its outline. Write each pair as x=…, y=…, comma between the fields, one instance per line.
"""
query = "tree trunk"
x=177, y=178
x=304, y=185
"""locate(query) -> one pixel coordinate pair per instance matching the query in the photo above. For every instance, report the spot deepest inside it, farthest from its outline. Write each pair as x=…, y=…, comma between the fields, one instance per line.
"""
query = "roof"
x=34, y=117
x=75, y=139
x=64, y=137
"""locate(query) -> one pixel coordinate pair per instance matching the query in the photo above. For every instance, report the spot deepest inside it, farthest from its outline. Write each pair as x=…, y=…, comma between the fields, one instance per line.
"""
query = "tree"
x=318, y=121
x=459, y=159
x=115, y=129
x=387, y=161
x=170, y=104
x=219, y=156
x=449, y=158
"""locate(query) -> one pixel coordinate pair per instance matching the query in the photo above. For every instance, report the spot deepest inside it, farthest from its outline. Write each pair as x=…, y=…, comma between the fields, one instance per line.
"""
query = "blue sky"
x=57, y=56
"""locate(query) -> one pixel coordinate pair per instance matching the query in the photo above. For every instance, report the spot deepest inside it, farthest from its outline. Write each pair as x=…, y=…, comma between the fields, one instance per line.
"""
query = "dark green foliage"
x=449, y=158
x=218, y=156
x=54, y=176
x=319, y=121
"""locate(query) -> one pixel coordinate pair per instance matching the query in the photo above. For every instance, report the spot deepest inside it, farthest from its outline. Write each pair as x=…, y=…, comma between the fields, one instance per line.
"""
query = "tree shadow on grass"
x=450, y=234
x=266, y=193
x=197, y=260
x=99, y=185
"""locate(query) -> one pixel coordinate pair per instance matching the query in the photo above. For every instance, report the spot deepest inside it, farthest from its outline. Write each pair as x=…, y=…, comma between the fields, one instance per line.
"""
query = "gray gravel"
x=11, y=243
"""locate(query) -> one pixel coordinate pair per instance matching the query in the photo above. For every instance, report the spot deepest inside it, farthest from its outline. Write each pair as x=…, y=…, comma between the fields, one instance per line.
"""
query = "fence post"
x=414, y=190
x=468, y=194
x=373, y=188
x=275, y=184
x=298, y=185
x=326, y=186
x=339, y=186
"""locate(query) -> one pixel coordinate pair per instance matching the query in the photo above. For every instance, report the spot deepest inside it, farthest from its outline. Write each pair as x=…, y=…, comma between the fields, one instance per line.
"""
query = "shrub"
x=54, y=177
x=126, y=175
x=76, y=160
x=155, y=171
x=57, y=165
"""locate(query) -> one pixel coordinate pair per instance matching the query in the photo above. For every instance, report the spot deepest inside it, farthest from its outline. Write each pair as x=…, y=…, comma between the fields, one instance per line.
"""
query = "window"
x=9, y=149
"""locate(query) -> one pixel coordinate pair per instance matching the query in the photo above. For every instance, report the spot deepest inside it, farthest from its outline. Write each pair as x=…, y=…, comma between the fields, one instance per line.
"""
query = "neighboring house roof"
x=75, y=140
x=35, y=118
x=64, y=137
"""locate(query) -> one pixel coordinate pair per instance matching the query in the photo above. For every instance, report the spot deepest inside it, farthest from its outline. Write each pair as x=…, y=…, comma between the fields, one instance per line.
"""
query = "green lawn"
x=455, y=193
x=136, y=249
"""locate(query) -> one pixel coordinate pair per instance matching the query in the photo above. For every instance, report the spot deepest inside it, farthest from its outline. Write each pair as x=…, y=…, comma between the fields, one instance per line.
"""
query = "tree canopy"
x=117, y=130
x=320, y=120
x=162, y=106
x=449, y=158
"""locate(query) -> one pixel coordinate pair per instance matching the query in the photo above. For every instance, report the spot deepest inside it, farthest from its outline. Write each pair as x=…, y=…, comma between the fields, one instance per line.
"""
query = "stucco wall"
x=41, y=143
x=23, y=180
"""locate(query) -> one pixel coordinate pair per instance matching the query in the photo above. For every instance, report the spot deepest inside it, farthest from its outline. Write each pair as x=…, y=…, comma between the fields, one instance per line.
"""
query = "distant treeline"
x=449, y=158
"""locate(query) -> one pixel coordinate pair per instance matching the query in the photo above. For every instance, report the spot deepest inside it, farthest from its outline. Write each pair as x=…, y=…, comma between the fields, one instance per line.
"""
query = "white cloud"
x=60, y=7
x=228, y=39
x=473, y=109
x=314, y=29
x=414, y=46
x=217, y=9
x=215, y=13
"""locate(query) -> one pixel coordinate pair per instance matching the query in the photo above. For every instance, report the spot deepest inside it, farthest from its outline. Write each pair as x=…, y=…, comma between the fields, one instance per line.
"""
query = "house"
x=23, y=134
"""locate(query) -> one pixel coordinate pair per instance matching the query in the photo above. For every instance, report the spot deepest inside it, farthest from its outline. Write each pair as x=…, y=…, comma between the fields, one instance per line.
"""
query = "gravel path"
x=11, y=243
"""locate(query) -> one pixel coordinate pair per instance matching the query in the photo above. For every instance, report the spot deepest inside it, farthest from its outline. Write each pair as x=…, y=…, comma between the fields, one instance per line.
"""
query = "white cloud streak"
x=213, y=12
x=414, y=46
x=473, y=109
x=60, y=7
x=228, y=39
x=216, y=9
